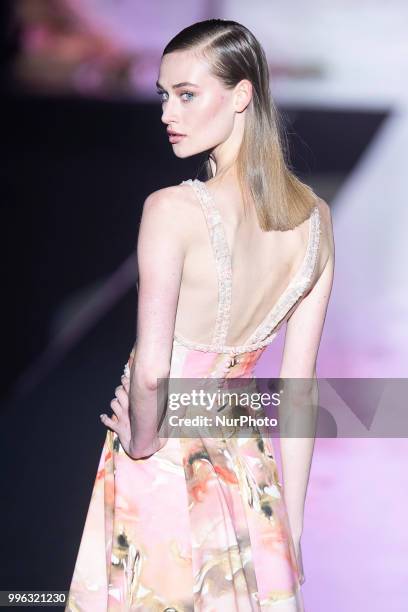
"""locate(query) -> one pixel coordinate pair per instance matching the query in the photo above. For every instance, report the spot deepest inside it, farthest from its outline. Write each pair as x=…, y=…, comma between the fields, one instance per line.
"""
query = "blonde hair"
x=282, y=201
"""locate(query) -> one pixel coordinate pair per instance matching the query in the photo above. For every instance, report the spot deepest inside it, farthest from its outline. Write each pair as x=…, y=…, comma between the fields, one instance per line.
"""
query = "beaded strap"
x=224, y=348
x=296, y=287
x=222, y=260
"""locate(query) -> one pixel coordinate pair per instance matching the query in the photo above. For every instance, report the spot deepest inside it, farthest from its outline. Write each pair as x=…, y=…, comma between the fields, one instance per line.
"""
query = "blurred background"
x=83, y=145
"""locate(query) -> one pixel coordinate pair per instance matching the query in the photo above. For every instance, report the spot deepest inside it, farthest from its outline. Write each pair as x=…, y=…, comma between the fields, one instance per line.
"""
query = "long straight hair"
x=233, y=53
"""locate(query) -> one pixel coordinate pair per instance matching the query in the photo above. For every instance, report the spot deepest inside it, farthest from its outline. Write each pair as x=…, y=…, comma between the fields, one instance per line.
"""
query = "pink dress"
x=201, y=525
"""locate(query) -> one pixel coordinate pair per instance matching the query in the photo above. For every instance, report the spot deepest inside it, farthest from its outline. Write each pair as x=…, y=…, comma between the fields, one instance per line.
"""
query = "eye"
x=187, y=93
x=160, y=94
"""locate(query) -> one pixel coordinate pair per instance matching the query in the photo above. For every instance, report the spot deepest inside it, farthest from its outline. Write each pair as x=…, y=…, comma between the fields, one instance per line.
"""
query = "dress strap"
x=297, y=286
x=222, y=260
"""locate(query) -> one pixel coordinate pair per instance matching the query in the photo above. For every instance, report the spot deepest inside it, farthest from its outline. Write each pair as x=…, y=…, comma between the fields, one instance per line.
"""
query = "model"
x=179, y=523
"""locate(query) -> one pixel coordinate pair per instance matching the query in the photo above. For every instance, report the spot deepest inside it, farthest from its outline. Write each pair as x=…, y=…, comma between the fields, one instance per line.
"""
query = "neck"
x=223, y=171
x=223, y=157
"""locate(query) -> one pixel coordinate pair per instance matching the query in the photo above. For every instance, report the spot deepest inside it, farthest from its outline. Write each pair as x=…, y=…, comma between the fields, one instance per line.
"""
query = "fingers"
x=125, y=382
x=108, y=422
x=117, y=409
x=122, y=397
x=118, y=404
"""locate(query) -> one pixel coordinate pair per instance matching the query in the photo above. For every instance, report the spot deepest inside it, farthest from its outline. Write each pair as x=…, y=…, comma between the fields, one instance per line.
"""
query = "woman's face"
x=195, y=103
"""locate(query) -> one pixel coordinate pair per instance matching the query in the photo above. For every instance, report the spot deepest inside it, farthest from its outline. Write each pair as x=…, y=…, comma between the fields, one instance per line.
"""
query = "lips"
x=175, y=137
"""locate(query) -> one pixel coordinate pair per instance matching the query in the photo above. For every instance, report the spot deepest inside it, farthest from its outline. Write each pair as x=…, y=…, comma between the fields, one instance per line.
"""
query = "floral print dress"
x=201, y=525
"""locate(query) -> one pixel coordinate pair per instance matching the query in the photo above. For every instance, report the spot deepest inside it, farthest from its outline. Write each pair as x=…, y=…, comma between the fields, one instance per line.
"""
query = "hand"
x=299, y=559
x=120, y=424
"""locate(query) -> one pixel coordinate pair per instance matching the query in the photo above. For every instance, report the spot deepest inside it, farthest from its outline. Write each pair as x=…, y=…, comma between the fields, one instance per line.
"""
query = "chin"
x=182, y=153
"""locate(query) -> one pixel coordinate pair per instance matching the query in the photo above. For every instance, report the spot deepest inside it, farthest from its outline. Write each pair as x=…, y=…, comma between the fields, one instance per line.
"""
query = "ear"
x=243, y=95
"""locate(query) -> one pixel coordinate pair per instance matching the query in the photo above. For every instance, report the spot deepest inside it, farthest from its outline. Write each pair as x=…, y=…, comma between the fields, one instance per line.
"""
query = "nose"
x=169, y=114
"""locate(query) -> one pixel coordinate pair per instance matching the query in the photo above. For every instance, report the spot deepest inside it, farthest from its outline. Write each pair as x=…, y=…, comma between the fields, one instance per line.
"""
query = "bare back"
x=239, y=283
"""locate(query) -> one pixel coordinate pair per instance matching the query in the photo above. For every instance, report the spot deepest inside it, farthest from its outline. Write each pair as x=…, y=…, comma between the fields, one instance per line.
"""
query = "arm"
x=160, y=255
x=303, y=335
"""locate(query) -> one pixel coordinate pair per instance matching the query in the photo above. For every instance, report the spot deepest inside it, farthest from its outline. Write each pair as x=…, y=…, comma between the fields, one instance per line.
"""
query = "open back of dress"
x=220, y=302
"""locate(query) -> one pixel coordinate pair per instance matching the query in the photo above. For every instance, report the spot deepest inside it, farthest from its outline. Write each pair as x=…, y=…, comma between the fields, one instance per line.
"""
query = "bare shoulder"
x=326, y=232
x=175, y=199
x=171, y=208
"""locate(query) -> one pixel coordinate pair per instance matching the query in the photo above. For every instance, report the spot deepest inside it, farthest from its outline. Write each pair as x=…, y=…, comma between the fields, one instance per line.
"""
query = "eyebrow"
x=177, y=85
